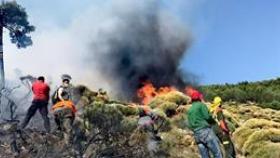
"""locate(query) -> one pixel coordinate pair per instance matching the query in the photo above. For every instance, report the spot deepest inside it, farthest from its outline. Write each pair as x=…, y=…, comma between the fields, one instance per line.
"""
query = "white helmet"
x=66, y=77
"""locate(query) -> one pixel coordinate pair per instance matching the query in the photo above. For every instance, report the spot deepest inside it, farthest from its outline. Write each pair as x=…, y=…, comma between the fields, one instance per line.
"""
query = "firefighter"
x=64, y=114
x=147, y=122
x=65, y=88
x=221, y=128
x=199, y=120
x=40, y=102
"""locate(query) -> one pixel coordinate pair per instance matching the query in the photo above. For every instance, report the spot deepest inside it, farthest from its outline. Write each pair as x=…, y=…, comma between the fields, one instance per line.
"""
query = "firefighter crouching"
x=64, y=114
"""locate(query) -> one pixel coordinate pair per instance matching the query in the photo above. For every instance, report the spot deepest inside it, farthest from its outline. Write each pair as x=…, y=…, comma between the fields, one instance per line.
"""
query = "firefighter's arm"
x=224, y=127
x=222, y=121
x=57, y=105
x=59, y=93
x=74, y=107
x=206, y=115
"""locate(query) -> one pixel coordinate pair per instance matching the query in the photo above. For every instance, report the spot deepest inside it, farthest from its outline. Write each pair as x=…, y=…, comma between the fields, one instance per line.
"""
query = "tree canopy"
x=15, y=19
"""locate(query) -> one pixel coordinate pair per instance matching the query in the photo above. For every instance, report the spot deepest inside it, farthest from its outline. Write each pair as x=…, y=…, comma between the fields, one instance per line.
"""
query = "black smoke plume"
x=143, y=43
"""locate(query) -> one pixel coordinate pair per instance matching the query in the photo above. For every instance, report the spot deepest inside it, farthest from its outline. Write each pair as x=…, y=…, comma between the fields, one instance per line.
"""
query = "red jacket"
x=40, y=91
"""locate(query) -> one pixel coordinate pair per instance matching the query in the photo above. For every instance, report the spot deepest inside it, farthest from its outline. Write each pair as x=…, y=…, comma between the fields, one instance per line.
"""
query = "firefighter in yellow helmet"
x=221, y=128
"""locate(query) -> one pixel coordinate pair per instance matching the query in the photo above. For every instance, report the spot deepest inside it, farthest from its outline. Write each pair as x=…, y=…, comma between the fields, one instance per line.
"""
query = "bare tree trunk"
x=2, y=74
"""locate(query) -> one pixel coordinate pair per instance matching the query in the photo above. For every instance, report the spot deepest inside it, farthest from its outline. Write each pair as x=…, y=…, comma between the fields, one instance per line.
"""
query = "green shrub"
x=275, y=104
x=129, y=124
x=104, y=116
x=265, y=93
x=126, y=110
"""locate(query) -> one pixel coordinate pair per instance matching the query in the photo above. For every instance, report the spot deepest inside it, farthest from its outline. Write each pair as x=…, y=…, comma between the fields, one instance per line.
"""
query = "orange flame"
x=148, y=92
x=189, y=90
x=165, y=90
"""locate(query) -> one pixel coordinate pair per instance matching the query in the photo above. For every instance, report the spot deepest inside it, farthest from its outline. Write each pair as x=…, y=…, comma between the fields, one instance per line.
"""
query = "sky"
x=233, y=40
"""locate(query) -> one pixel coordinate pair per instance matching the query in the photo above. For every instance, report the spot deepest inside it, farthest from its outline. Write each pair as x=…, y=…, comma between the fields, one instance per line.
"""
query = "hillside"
x=108, y=128
x=263, y=93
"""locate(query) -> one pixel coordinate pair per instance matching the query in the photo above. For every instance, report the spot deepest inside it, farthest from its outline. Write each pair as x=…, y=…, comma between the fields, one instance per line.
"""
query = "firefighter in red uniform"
x=40, y=101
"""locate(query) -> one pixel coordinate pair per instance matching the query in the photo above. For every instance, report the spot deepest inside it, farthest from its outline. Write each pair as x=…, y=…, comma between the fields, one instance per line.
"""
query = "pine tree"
x=13, y=17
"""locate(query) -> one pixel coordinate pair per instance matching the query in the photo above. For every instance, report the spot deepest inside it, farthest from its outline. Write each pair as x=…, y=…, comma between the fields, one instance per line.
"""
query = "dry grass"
x=179, y=143
x=263, y=143
x=175, y=97
x=258, y=138
x=257, y=134
x=243, y=112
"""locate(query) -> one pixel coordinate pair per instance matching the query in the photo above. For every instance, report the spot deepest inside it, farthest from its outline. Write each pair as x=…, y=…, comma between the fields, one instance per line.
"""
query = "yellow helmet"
x=216, y=103
x=217, y=100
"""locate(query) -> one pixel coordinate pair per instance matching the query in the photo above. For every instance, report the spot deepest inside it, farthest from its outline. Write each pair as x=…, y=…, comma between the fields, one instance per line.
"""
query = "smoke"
x=114, y=45
x=140, y=42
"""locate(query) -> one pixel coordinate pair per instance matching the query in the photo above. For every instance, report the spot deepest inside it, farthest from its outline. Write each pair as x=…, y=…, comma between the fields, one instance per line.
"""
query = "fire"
x=164, y=90
x=189, y=90
x=148, y=92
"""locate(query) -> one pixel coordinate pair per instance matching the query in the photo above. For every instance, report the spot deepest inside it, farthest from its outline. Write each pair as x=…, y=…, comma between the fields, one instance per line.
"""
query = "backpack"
x=54, y=97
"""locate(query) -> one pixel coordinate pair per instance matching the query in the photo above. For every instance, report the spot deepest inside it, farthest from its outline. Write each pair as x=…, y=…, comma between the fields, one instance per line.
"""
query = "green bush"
x=275, y=104
x=106, y=117
x=265, y=93
x=126, y=110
